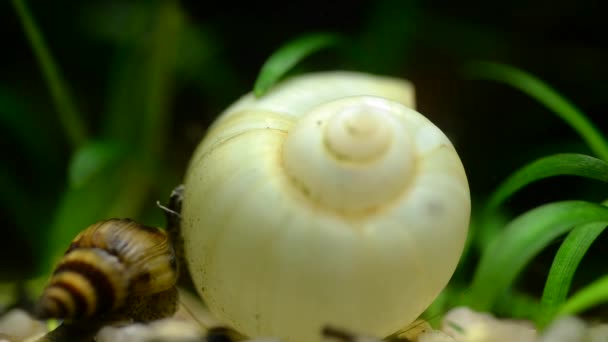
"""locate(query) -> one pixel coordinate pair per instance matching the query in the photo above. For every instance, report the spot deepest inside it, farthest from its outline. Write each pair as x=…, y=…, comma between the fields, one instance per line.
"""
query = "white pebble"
x=132, y=332
x=466, y=325
x=597, y=333
x=565, y=329
x=435, y=336
x=20, y=325
x=176, y=329
x=162, y=330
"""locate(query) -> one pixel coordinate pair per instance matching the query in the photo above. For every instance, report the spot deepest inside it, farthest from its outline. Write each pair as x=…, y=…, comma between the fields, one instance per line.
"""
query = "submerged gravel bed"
x=458, y=325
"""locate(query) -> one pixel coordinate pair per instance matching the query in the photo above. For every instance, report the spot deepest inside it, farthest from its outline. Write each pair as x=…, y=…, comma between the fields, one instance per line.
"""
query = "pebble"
x=435, y=336
x=598, y=333
x=573, y=329
x=458, y=325
x=169, y=330
x=466, y=325
x=19, y=325
x=565, y=329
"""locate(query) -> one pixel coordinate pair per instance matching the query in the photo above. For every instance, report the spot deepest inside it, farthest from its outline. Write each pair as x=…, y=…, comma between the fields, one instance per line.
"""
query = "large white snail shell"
x=327, y=201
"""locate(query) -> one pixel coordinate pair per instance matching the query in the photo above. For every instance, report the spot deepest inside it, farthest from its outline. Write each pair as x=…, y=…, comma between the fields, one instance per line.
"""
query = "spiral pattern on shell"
x=104, y=265
x=330, y=200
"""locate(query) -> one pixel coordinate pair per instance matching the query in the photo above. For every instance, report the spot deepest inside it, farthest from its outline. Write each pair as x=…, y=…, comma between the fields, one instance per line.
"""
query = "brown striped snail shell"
x=106, y=265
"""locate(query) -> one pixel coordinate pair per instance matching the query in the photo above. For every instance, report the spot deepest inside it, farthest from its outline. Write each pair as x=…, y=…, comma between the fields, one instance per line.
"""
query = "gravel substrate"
x=458, y=325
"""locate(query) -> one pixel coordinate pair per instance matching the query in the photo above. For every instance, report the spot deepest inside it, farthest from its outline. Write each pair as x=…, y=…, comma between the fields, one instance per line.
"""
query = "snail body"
x=108, y=265
x=329, y=201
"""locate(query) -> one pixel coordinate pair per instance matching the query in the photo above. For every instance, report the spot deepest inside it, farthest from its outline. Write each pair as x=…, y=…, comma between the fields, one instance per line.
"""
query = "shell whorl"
x=105, y=264
x=86, y=281
x=363, y=156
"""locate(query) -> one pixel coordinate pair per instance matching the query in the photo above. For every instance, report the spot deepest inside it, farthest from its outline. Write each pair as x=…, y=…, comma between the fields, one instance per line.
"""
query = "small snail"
x=329, y=201
x=113, y=267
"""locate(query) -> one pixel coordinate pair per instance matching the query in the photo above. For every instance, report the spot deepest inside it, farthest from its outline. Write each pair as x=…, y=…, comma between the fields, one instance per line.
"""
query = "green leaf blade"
x=555, y=165
x=547, y=96
x=592, y=295
x=521, y=240
x=93, y=159
x=287, y=56
x=69, y=117
x=142, y=81
x=516, y=305
x=564, y=266
x=119, y=191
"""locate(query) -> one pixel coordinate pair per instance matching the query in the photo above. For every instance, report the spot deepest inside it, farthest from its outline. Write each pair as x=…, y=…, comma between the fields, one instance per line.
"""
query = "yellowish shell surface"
x=330, y=200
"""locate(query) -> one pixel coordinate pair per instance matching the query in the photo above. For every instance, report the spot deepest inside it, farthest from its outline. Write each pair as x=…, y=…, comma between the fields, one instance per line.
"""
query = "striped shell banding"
x=105, y=265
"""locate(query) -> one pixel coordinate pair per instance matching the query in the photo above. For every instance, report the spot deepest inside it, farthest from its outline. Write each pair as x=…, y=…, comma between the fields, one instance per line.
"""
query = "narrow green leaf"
x=92, y=159
x=127, y=76
x=555, y=165
x=521, y=240
x=591, y=295
x=100, y=20
x=288, y=56
x=68, y=115
x=141, y=82
x=564, y=266
x=546, y=95
x=122, y=188
x=517, y=305
x=118, y=192
x=433, y=314
x=489, y=224
x=160, y=73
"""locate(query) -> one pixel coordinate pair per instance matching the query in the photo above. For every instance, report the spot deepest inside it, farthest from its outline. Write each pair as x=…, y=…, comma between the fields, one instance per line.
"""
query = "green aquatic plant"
x=513, y=246
x=116, y=165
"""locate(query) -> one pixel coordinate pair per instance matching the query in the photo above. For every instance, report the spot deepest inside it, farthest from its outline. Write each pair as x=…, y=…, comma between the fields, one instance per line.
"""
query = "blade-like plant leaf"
x=112, y=22
x=556, y=165
x=68, y=115
x=288, y=56
x=517, y=305
x=127, y=76
x=591, y=295
x=546, y=95
x=564, y=266
x=489, y=224
x=521, y=240
x=141, y=82
x=122, y=188
x=119, y=192
x=158, y=86
x=92, y=159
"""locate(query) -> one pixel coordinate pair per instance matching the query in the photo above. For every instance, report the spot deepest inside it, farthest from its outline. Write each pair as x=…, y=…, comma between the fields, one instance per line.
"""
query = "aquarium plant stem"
x=68, y=115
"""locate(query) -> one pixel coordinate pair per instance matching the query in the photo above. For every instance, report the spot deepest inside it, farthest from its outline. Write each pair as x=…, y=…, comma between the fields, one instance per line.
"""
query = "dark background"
x=494, y=127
